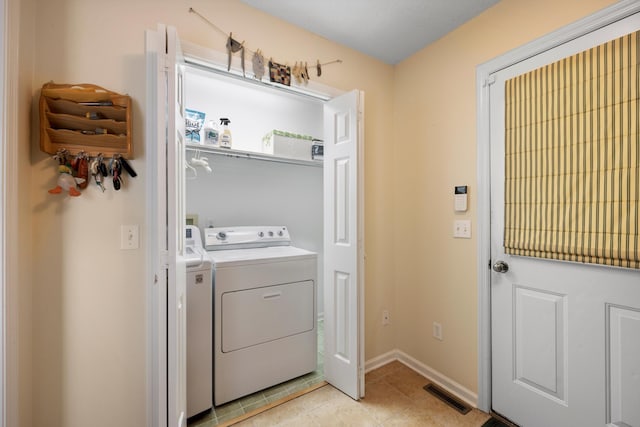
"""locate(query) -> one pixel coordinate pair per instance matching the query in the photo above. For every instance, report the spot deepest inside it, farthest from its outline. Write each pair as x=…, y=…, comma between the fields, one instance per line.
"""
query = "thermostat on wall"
x=460, y=198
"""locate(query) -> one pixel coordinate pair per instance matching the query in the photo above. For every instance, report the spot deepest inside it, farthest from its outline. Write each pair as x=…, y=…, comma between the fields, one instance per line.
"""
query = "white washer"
x=199, y=324
x=264, y=309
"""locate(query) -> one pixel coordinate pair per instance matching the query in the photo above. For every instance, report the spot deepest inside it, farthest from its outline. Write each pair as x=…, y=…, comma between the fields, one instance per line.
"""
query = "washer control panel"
x=244, y=237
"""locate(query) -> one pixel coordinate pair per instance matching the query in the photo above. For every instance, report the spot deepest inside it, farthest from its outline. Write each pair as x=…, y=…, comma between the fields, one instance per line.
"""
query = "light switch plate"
x=129, y=237
x=462, y=229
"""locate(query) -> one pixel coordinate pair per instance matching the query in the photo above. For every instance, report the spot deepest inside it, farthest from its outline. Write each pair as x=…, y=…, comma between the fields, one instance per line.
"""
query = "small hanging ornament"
x=258, y=65
x=305, y=73
x=66, y=181
x=319, y=65
x=234, y=46
x=81, y=168
x=301, y=72
x=297, y=73
x=279, y=73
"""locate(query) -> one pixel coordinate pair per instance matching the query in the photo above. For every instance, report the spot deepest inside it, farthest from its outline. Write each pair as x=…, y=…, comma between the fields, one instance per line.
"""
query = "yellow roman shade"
x=572, y=156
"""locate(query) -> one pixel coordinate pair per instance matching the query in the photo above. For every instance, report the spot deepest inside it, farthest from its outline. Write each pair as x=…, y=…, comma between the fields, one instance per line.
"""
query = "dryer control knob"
x=271, y=234
x=261, y=234
x=221, y=235
x=280, y=233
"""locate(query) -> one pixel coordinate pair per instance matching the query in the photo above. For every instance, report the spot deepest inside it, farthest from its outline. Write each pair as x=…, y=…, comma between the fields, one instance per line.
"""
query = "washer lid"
x=236, y=257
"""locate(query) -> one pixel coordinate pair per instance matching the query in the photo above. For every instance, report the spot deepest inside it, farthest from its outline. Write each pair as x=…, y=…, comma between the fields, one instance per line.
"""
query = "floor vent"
x=447, y=398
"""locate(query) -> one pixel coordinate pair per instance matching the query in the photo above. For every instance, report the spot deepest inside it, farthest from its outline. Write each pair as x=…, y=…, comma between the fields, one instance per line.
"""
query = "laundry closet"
x=279, y=217
x=261, y=219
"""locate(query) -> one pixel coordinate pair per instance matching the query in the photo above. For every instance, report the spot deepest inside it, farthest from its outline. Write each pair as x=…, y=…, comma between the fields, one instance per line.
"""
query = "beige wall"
x=89, y=296
x=434, y=150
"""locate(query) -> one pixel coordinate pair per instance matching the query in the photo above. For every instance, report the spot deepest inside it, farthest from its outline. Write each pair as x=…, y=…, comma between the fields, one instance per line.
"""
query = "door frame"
x=484, y=71
x=10, y=135
x=4, y=82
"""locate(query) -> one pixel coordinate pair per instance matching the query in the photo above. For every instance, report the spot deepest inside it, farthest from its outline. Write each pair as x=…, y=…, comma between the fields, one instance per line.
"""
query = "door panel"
x=624, y=352
x=343, y=244
x=540, y=341
x=342, y=305
x=342, y=192
x=175, y=208
x=556, y=326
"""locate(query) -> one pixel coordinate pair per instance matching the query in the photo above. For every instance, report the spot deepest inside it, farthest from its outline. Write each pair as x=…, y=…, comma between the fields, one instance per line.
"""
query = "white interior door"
x=177, y=294
x=166, y=132
x=343, y=244
x=565, y=336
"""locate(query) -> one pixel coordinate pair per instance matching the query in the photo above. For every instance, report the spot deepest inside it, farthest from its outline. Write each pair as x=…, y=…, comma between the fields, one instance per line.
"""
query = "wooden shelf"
x=85, y=118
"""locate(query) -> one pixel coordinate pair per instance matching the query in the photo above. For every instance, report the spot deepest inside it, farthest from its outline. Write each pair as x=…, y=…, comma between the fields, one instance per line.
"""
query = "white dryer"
x=264, y=301
x=199, y=324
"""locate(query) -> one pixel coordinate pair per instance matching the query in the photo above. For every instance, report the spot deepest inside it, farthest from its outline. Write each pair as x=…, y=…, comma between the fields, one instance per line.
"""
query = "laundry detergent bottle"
x=225, y=134
x=211, y=133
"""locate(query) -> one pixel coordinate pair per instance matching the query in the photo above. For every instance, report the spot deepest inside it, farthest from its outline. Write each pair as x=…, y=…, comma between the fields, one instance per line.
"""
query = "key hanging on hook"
x=126, y=166
x=94, y=168
x=115, y=168
x=102, y=168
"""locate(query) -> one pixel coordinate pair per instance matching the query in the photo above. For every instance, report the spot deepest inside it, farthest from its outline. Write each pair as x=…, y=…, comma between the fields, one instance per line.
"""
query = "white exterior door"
x=343, y=244
x=565, y=336
x=166, y=103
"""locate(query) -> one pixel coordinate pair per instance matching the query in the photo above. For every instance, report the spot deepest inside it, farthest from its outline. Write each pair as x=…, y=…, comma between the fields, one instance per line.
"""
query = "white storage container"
x=285, y=144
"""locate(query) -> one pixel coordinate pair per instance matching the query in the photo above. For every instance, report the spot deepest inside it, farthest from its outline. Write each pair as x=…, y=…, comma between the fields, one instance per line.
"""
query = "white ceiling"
x=389, y=30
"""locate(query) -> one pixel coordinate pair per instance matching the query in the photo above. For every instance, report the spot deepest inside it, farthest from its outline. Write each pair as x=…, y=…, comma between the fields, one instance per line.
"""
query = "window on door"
x=572, y=157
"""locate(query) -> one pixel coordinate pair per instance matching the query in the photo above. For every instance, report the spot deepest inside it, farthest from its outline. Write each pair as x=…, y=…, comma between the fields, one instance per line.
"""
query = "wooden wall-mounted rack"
x=85, y=117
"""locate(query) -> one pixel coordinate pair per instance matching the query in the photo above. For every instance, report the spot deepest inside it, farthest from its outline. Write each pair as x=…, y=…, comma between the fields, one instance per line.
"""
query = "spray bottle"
x=225, y=134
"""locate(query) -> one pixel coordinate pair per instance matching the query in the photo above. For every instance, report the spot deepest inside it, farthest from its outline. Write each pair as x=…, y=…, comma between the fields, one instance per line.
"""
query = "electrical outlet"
x=385, y=317
x=437, y=331
x=129, y=237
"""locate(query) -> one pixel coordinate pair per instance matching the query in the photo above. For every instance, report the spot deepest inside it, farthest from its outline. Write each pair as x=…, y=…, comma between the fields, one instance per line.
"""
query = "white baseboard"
x=434, y=376
x=381, y=360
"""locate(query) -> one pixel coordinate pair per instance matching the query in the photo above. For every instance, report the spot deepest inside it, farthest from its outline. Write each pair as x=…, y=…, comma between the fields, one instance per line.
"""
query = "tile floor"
x=394, y=397
x=231, y=410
